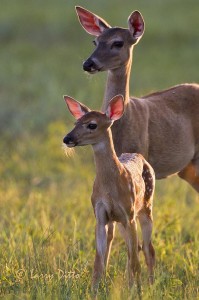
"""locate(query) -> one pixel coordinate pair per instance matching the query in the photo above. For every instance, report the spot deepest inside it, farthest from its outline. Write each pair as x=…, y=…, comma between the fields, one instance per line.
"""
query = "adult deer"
x=163, y=126
x=123, y=188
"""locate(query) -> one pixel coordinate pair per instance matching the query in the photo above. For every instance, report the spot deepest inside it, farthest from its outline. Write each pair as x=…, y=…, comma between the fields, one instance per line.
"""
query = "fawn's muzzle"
x=68, y=140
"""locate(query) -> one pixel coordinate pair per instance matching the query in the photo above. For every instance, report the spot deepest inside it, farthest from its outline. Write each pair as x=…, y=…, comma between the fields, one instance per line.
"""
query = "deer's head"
x=90, y=125
x=113, y=44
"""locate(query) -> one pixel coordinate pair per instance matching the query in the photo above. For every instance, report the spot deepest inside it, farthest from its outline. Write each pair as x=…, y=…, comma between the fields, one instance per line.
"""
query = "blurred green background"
x=46, y=217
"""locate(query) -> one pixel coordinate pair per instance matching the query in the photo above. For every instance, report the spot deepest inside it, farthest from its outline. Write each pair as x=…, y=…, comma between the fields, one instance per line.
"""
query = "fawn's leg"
x=133, y=255
x=123, y=234
x=101, y=231
x=110, y=236
x=146, y=224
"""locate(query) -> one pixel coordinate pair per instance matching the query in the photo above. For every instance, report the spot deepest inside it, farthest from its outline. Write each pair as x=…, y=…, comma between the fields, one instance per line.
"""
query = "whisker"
x=68, y=151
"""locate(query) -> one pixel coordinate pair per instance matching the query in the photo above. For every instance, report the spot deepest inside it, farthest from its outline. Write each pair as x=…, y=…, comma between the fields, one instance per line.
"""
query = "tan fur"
x=122, y=192
x=163, y=126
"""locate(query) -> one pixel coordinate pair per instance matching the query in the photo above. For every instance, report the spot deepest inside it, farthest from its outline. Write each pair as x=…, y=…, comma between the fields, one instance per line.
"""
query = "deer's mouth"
x=91, y=66
x=94, y=70
x=69, y=141
x=71, y=145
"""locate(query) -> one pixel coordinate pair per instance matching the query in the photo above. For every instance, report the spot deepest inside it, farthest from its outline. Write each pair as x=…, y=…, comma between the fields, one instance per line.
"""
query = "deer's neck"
x=106, y=160
x=118, y=83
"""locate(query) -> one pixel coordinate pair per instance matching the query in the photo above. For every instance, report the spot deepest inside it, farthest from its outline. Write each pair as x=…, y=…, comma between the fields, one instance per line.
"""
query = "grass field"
x=47, y=222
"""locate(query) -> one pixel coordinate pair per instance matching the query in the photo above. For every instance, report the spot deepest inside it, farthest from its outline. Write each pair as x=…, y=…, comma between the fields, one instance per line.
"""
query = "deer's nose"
x=67, y=139
x=89, y=65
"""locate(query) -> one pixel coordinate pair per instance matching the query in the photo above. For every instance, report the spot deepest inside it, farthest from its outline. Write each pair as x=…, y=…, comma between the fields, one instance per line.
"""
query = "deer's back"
x=171, y=128
x=143, y=178
x=183, y=99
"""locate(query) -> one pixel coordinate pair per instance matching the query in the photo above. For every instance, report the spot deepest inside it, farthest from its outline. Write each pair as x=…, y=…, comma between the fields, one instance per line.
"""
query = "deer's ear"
x=92, y=23
x=136, y=25
x=76, y=108
x=115, y=108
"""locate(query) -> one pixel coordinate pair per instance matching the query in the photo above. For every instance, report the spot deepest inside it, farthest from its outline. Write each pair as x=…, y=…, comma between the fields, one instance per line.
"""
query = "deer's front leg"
x=101, y=232
x=110, y=236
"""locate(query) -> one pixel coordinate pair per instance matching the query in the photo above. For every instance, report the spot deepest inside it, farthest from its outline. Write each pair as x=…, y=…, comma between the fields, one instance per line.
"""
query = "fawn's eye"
x=92, y=126
x=117, y=44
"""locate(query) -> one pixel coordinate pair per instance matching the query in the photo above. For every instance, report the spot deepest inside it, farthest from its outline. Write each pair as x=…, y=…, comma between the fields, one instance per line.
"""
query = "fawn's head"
x=91, y=126
x=113, y=44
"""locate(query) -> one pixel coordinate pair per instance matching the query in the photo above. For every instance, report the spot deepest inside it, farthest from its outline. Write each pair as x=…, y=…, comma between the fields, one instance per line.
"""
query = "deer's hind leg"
x=146, y=224
x=191, y=174
x=129, y=233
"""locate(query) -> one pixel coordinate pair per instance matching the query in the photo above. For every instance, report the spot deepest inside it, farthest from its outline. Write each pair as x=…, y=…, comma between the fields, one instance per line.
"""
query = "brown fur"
x=122, y=192
x=162, y=126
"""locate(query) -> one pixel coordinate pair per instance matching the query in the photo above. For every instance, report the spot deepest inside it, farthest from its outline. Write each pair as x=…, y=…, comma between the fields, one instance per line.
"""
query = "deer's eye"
x=117, y=44
x=92, y=126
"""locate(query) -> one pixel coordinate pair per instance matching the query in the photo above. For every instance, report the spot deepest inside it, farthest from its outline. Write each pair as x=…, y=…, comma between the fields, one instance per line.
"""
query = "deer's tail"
x=148, y=176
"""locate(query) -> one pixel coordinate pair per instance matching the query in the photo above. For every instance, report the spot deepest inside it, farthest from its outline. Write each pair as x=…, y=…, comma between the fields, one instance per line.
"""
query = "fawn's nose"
x=89, y=65
x=67, y=139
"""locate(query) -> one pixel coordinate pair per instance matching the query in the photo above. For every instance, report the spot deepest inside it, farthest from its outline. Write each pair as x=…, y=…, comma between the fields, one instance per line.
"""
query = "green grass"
x=47, y=222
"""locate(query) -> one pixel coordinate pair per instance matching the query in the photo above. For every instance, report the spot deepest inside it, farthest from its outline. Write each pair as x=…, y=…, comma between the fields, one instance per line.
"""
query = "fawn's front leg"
x=101, y=234
x=100, y=256
x=110, y=236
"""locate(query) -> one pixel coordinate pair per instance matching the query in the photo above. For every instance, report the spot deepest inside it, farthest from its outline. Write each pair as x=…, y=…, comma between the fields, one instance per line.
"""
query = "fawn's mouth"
x=71, y=145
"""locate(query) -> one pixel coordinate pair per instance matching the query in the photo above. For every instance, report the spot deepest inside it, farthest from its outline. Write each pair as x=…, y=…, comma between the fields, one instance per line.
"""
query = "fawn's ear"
x=136, y=24
x=92, y=23
x=76, y=108
x=115, y=108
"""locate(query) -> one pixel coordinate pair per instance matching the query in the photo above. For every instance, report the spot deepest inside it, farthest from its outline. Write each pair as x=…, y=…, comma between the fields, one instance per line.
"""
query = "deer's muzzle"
x=90, y=66
x=69, y=141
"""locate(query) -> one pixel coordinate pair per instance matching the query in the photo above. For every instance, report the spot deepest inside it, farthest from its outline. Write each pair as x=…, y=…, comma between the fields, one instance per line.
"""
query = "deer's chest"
x=118, y=202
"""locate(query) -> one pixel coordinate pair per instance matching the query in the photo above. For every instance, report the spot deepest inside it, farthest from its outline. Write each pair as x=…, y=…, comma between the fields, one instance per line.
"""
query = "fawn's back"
x=143, y=178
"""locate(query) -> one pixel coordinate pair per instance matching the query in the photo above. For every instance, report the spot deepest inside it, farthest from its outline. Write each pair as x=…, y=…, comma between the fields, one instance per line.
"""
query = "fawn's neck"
x=106, y=160
x=118, y=83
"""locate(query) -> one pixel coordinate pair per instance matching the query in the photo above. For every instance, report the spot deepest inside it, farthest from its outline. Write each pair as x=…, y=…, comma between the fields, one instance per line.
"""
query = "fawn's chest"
x=118, y=199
